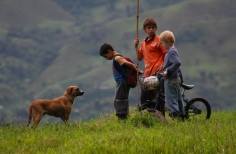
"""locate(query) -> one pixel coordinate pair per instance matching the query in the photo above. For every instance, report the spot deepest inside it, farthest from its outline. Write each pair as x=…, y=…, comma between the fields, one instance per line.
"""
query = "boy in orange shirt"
x=153, y=54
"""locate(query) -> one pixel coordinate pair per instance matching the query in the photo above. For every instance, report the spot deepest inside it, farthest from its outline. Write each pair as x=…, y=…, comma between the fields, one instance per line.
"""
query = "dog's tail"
x=30, y=115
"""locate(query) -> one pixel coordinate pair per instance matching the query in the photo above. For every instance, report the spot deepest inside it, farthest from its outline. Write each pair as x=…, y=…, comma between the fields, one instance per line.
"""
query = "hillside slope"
x=30, y=34
x=28, y=13
x=70, y=55
x=199, y=26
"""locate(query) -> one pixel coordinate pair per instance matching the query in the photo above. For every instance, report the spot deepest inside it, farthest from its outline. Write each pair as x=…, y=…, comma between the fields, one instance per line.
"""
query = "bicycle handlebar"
x=159, y=74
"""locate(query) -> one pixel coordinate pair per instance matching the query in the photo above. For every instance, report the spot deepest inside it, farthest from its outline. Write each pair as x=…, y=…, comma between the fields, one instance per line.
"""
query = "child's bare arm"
x=132, y=66
x=123, y=61
x=136, y=43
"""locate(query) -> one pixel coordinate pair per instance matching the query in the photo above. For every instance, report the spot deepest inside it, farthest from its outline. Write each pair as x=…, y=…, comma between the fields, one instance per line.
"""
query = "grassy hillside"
x=139, y=134
x=63, y=50
x=27, y=13
x=197, y=40
x=30, y=36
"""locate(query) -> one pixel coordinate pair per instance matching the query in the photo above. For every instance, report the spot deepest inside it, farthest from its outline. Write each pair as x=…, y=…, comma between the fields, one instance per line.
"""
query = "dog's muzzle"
x=80, y=93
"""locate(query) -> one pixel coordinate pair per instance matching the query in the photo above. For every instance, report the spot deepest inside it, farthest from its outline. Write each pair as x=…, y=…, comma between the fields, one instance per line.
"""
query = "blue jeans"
x=173, y=97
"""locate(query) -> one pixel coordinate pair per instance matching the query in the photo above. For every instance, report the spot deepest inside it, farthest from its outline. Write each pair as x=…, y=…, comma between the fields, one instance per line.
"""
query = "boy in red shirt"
x=153, y=54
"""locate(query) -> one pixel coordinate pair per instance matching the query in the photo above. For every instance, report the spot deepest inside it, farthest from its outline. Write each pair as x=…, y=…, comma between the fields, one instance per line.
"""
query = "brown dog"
x=59, y=107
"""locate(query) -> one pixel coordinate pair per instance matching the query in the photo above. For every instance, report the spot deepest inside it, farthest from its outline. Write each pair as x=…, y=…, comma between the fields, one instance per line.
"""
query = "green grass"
x=139, y=134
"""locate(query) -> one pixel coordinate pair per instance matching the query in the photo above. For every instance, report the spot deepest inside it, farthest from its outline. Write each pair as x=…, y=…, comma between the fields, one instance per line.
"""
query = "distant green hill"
x=27, y=13
x=61, y=55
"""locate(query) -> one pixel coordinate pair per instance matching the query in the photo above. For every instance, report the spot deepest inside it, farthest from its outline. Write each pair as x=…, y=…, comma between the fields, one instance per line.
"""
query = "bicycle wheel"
x=198, y=108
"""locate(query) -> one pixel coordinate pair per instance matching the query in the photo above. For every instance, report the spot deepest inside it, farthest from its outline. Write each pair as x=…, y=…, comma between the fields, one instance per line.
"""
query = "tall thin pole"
x=137, y=58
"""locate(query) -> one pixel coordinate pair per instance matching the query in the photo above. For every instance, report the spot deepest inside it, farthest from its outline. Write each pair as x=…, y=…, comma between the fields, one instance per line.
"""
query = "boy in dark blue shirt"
x=121, y=101
x=172, y=81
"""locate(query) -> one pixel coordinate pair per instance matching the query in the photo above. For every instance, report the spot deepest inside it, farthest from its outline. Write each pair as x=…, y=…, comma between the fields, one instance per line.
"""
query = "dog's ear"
x=69, y=90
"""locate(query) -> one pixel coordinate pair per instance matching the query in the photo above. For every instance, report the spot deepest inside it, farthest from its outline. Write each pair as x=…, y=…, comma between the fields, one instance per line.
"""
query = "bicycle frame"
x=185, y=100
x=192, y=107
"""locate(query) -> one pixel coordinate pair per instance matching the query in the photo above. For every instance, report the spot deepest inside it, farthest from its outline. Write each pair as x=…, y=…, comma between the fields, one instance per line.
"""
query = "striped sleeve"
x=120, y=60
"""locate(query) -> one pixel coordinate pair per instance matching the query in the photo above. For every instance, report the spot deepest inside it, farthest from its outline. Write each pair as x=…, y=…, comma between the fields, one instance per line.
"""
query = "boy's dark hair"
x=149, y=21
x=104, y=49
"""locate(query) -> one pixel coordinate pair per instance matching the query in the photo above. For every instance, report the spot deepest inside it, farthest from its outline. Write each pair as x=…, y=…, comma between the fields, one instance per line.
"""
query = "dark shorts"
x=121, y=99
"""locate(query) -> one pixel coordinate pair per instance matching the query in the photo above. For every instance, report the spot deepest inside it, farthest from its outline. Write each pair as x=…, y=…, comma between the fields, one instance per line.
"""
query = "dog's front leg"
x=65, y=119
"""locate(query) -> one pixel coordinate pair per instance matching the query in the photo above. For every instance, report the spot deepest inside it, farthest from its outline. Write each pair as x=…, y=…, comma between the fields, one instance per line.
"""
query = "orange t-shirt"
x=153, y=54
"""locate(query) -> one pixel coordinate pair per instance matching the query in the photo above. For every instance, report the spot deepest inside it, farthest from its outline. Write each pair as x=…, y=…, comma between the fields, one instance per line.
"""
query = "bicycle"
x=195, y=107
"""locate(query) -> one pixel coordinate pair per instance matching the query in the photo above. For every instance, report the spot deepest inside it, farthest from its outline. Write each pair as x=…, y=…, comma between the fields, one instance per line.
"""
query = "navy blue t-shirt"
x=172, y=63
x=117, y=69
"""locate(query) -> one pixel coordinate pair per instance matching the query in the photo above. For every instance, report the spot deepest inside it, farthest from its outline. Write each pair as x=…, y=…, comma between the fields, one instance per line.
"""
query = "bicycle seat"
x=187, y=87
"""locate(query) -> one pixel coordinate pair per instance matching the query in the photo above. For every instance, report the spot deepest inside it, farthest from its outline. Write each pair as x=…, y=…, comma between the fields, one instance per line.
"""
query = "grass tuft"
x=140, y=133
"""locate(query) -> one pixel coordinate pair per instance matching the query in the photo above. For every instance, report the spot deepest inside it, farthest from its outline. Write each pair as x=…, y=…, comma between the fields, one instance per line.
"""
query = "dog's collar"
x=69, y=99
